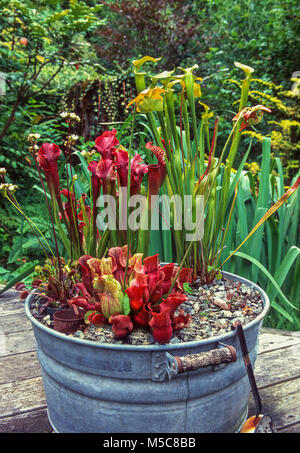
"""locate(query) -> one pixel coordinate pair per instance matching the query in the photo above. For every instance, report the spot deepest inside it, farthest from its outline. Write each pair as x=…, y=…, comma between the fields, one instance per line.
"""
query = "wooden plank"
x=18, y=342
x=288, y=333
x=10, y=293
x=271, y=342
x=16, y=322
x=277, y=366
x=19, y=366
x=281, y=402
x=291, y=429
x=29, y=422
x=11, y=306
x=10, y=303
x=21, y=396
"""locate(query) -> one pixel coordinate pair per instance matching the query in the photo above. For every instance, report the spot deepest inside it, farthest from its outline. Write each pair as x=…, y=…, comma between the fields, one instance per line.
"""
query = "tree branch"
x=21, y=98
x=46, y=83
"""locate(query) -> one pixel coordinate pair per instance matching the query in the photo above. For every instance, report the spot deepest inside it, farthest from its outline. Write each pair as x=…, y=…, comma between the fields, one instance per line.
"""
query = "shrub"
x=139, y=27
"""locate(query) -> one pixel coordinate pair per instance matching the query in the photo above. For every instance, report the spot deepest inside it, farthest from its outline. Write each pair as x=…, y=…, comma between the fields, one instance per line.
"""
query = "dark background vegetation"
x=58, y=55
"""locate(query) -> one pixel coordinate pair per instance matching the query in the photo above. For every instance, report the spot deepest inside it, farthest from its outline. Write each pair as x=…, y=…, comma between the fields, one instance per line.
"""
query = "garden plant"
x=149, y=205
x=118, y=278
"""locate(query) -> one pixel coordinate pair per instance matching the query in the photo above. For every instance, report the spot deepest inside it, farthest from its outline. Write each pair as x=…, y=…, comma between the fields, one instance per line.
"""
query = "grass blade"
x=269, y=276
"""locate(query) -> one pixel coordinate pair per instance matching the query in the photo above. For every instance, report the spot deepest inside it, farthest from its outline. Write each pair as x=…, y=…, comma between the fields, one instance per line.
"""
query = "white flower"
x=33, y=137
x=4, y=187
x=70, y=116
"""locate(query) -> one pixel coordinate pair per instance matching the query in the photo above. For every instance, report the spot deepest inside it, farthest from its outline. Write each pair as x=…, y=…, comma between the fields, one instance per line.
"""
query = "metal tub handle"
x=164, y=365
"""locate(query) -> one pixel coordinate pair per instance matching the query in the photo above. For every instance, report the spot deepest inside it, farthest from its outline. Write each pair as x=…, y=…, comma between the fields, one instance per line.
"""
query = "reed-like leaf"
x=269, y=276
x=283, y=270
x=270, y=212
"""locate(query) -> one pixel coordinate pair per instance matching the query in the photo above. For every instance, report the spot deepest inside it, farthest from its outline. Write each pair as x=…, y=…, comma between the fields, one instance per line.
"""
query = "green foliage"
x=55, y=53
x=263, y=34
x=39, y=43
x=284, y=127
x=18, y=245
x=138, y=27
x=11, y=241
x=271, y=257
x=23, y=274
x=37, y=116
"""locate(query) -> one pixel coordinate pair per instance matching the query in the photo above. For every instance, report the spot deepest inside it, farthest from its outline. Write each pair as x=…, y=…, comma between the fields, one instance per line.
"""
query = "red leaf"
x=19, y=286
x=86, y=276
x=156, y=177
x=138, y=170
x=185, y=275
x=135, y=294
x=121, y=325
x=23, y=294
x=121, y=159
x=156, y=173
x=181, y=321
x=168, y=271
x=143, y=317
x=107, y=174
x=81, y=302
x=119, y=257
x=47, y=158
x=162, y=326
x=98, y=319
x=155, y=277
x=141, y=280
x=172, y=302
x=106, y=144
x=96, y=182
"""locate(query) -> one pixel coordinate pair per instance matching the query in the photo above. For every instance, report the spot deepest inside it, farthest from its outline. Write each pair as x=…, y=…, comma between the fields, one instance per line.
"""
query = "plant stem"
x=128, y=195
x=51, y=218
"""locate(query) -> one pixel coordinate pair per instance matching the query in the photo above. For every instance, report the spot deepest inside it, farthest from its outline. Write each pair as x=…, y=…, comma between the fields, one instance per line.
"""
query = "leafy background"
x=76, y=55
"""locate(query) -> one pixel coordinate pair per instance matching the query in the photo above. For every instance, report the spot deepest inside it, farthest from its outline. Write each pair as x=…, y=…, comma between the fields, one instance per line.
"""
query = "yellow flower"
x=149, y=100
x=207, y=115
x=247, y=69
x=254, y=167
x=139, y=63
x=182, y=80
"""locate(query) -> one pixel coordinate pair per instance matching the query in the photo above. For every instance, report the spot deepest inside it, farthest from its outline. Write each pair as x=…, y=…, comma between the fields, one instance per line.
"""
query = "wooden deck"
x=22, y=398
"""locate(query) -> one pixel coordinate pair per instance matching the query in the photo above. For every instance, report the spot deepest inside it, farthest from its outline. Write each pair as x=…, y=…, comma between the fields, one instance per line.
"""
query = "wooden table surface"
x=22, y=398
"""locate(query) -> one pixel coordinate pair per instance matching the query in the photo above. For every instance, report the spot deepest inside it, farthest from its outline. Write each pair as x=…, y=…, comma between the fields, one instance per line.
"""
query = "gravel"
x=239, y=302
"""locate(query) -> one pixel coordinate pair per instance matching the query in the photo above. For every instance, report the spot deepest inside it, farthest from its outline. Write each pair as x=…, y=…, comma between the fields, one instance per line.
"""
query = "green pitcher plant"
x=194, y=165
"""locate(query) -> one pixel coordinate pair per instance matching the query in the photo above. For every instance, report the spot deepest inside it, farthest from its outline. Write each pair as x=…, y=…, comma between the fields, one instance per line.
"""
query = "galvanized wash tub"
x=114, y=388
